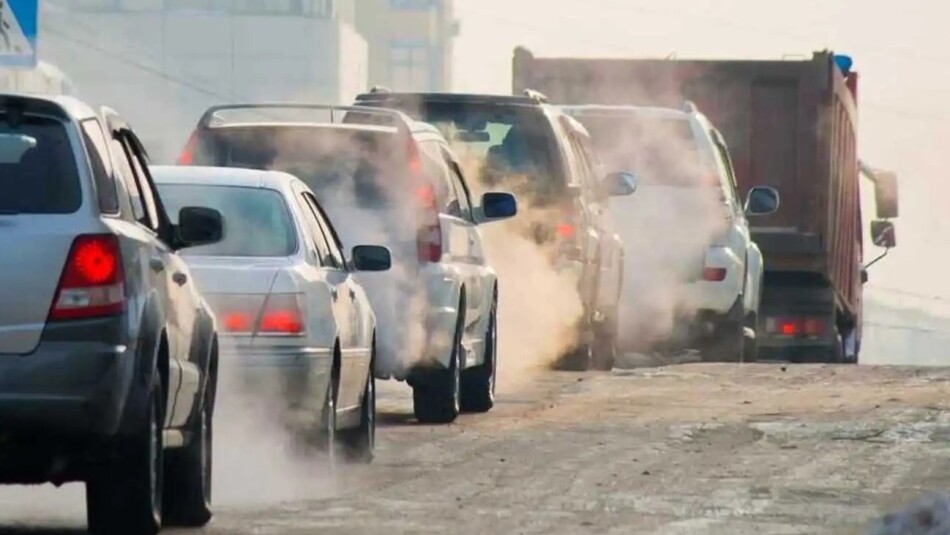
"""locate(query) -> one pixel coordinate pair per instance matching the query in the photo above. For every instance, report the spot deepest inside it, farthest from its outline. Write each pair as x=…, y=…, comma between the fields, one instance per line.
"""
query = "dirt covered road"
x=695, y=448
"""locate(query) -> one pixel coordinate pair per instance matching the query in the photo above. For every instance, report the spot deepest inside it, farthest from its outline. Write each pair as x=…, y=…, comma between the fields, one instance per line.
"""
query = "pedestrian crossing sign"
x=19, y=25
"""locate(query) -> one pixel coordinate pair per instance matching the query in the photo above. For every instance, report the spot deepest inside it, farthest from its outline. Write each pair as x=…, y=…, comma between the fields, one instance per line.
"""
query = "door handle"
x=333, y=293
x=180, y=278
x=157, y=264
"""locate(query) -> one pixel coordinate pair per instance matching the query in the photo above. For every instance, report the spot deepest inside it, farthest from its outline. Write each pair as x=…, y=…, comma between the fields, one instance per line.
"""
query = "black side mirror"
x=762, y=200
x=199, y=226
x=498, y=205
x=883, y=234
x=618, y=184
x=371, y=258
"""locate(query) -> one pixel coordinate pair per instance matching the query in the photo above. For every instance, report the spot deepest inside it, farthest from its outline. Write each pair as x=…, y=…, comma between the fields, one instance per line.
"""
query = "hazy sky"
x=899, y=48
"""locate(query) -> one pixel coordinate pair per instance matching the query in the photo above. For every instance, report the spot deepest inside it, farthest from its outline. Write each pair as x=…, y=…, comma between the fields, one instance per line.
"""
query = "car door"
x=353, y=358
x=475, y=271
x=157, y=257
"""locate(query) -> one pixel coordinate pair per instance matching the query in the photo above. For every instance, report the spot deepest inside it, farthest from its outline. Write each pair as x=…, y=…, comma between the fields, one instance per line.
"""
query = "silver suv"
x=108, y=353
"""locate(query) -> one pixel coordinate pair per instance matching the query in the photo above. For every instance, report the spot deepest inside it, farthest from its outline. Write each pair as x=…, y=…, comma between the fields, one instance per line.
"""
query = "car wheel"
x=750, y=349
x=359, y=444
x=436, y=399
x=326, y=441
x=188, y=471
x=728, y=340
x=478, y=383
x=124, y=495
x=604, y=352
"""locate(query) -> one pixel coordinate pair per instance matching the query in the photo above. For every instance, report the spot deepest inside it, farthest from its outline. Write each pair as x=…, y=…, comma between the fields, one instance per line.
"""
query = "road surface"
x=695, y=448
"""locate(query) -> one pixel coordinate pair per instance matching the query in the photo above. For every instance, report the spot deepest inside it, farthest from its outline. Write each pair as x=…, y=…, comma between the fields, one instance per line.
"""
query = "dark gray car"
x=108, y=353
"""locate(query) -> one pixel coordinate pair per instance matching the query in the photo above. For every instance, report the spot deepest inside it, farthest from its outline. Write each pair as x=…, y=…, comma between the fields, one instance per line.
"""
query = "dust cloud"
x=666, y=226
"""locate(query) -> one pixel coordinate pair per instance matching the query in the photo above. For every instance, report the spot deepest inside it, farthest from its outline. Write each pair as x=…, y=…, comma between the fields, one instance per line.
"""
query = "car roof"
x=222, y=176
x=73, y=108
x=473, y=98
x=603, y=109
x=314, y=125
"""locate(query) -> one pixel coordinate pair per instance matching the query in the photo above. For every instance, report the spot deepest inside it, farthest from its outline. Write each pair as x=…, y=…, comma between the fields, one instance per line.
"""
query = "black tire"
x=750, y=350
x=359, y=444
x=436, y=398
x=579, y=358
x=727, y=343
x=124, y=495
x=478, y=383
x=604, y=351
x=188, y=471
x=326, y=435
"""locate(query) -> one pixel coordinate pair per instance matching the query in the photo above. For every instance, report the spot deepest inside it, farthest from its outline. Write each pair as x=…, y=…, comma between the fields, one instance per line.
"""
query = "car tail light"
x=187, y=156
x=92, y=282
x=797, y=326
x=282, y=316
x=429, y=238
x=413, y=157
x=565, y=231
x=237, y=322
x=714, y=274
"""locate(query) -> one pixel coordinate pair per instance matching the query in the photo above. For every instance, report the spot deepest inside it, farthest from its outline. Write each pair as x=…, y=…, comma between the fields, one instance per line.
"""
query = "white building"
x=161, y=63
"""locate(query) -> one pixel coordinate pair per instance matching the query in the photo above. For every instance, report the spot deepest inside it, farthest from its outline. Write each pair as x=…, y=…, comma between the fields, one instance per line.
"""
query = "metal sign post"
x=19, y=27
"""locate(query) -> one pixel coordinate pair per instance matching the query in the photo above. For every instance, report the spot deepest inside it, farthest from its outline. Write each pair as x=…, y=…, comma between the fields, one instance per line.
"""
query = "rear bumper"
x=66, y=389
x=717, y=297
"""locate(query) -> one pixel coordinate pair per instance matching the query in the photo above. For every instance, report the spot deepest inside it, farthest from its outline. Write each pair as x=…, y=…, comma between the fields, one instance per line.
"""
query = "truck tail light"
x=92, y=281
x=797, y=326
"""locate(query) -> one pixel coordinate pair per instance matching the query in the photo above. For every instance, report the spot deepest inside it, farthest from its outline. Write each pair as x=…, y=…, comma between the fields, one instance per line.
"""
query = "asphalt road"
x=695, y=448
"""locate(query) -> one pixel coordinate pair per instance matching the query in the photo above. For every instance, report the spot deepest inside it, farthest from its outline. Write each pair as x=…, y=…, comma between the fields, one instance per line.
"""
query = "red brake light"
x=788, y=328
x=187, y=156
x=713, y=274
x=565, y=230
x=237, y=322
x=282, y=316
x=91, y=284
x=797, y=326
x=429, y=238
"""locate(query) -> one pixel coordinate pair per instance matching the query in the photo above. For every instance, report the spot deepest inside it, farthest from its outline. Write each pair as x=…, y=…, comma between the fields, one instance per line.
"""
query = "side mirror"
x=619, y=184
x=498, y=205
x=762, y=200
x=885, y=194
x=199, y=226
x=371, y=258
x=883, y=234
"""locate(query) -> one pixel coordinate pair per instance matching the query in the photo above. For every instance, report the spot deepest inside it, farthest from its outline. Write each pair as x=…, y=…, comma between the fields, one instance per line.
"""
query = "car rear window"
x=38, y=172
x=367, y=165
x=658, y=150
x=256, y=221
x=501, y=145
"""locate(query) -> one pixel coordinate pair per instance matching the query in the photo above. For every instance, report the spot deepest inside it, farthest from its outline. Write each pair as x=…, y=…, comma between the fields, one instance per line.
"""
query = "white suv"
x=686, y=232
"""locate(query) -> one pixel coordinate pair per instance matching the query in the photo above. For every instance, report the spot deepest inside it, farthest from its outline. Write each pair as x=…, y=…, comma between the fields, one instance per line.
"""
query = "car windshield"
x=657, y=150
x=256, y=221
x=500, y=146
x=38, y=173
x=360, y=163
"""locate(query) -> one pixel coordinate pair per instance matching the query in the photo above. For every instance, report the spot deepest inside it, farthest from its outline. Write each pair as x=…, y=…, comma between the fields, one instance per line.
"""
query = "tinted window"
x=38, y=172
x=96, y=147
x=319, y=238
x=368, y=166
x=332, y=241
x=256, y=221
x=461, y=193
x=504, y=146
x=144, y=184
x=438, y=172
x=658, y=150
x=124, y=172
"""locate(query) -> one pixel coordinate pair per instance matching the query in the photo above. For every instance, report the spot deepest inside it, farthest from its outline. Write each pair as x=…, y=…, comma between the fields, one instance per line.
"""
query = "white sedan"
x=287, y=303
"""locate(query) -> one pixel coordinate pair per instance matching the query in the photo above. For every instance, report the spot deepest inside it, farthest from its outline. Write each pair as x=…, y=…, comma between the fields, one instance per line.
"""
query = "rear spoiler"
x=16, y=105
x=396, y=118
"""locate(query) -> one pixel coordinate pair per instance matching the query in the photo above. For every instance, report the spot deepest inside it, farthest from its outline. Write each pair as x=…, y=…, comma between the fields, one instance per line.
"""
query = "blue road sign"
x=19, y=26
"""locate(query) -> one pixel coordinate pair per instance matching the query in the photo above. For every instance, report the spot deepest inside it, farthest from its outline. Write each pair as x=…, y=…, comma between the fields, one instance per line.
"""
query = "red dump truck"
x=791, y=125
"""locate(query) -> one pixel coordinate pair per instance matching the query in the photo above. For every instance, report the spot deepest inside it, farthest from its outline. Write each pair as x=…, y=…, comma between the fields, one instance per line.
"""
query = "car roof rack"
x=212, y=117
x=376, y=89
x=536, y=96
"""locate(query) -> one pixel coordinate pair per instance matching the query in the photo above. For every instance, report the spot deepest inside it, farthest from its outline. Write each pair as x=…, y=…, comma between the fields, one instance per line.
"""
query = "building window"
x=410, y=66
x=413, y=5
